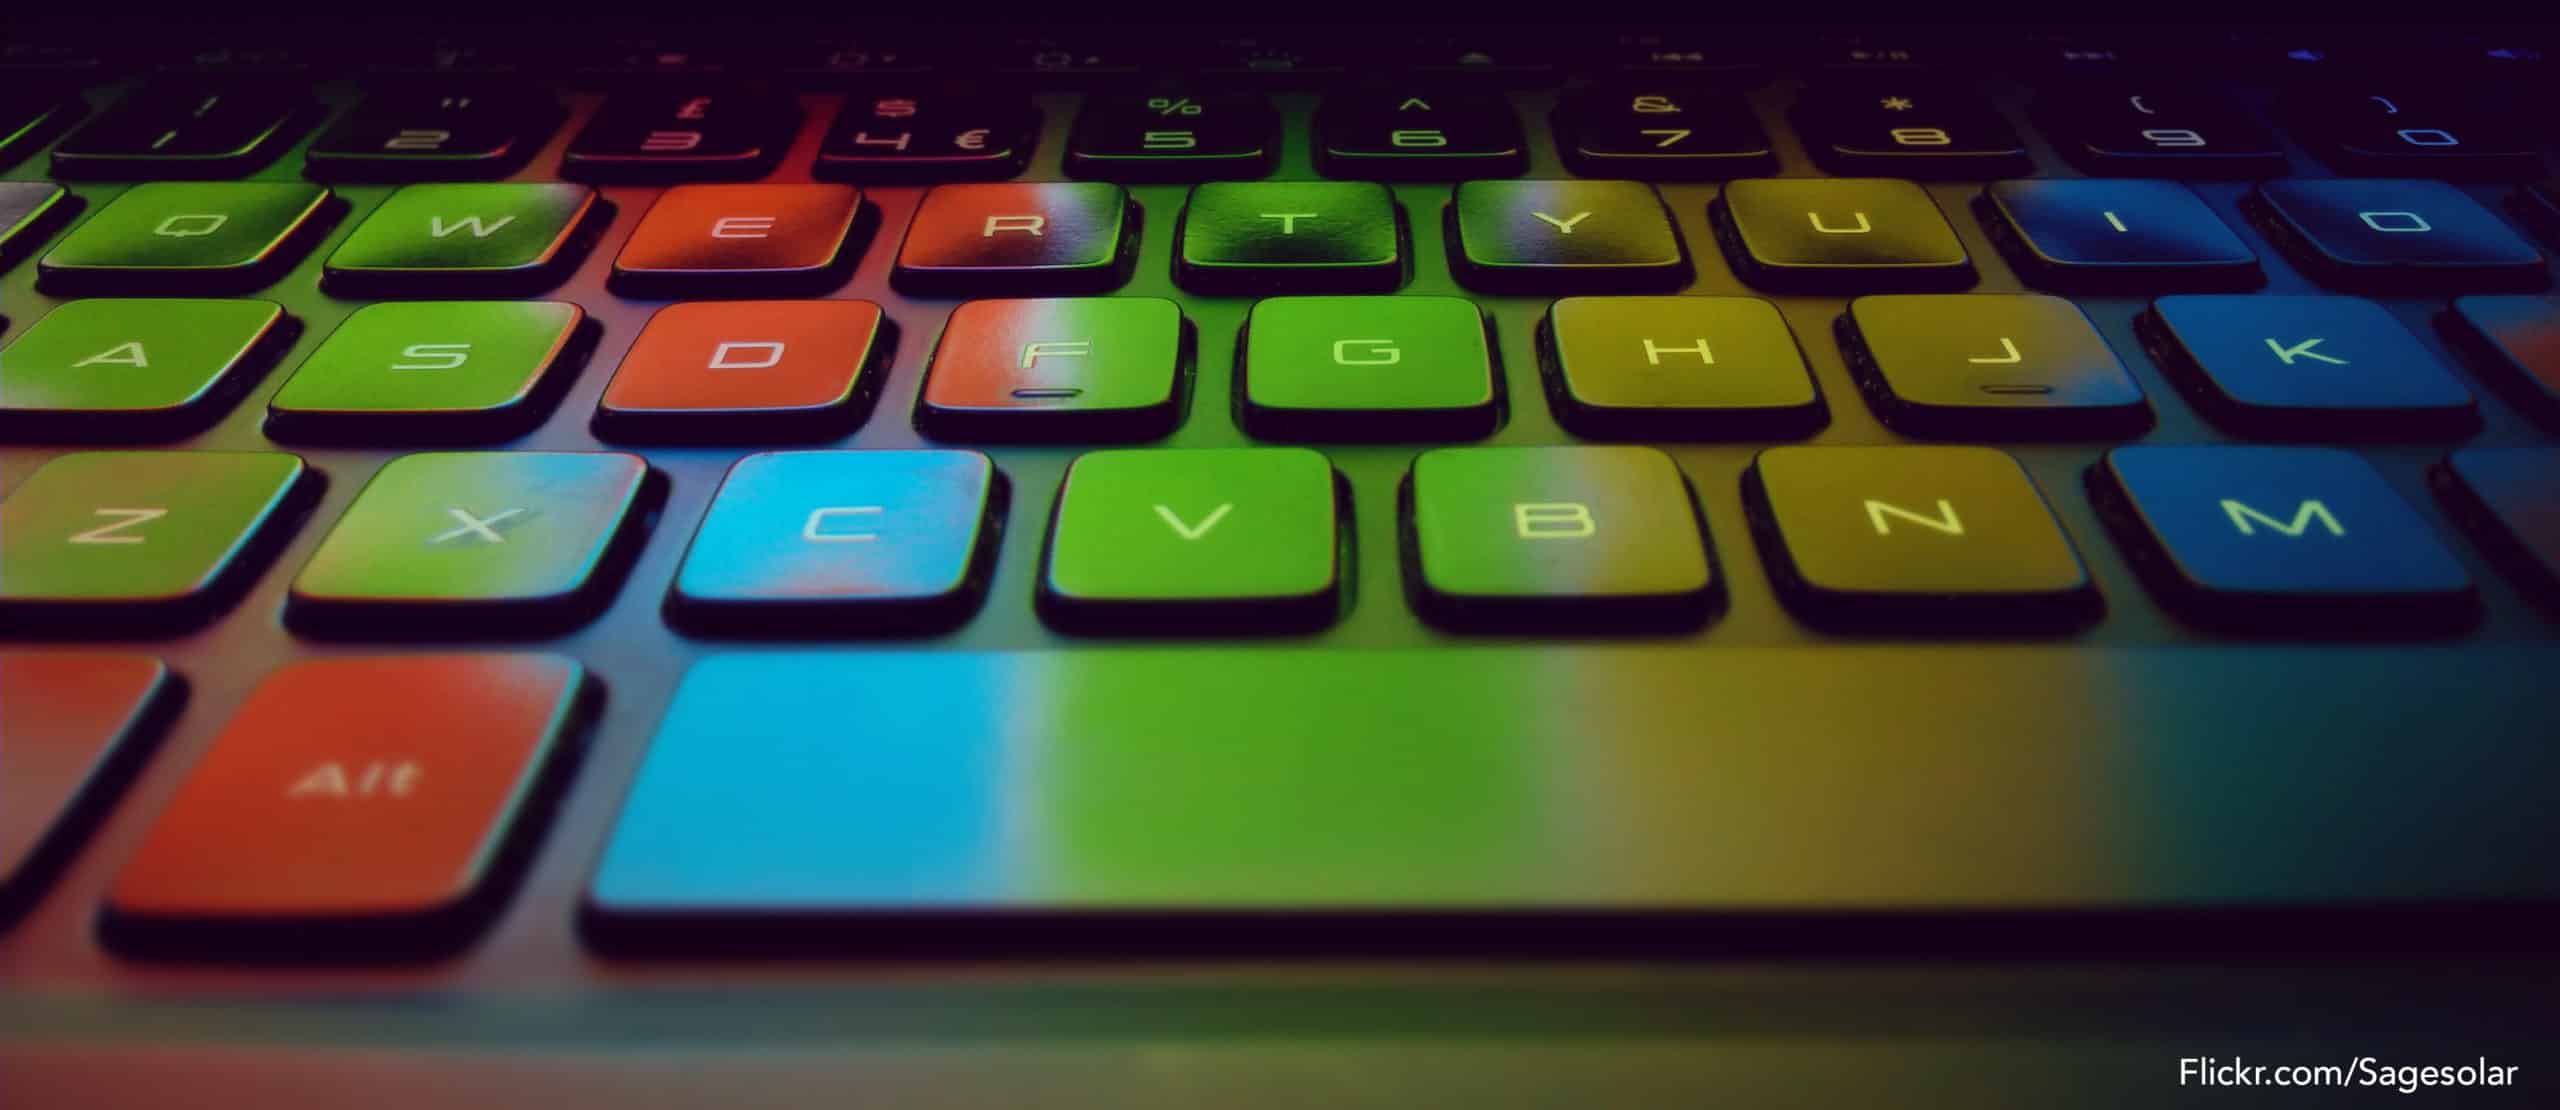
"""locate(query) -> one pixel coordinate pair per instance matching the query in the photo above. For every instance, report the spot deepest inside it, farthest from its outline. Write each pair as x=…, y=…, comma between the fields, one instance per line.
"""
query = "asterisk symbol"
x=1897, y=104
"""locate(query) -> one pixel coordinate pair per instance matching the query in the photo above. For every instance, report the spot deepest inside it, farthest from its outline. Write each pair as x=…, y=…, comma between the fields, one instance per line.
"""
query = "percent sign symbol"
x=1172, y=106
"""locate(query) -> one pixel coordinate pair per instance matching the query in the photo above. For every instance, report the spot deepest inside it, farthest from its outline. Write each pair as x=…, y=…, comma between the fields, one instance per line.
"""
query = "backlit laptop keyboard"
x=772, y=500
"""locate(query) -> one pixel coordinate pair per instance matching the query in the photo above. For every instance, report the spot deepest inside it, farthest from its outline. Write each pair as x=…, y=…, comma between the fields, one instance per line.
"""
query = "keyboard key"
x=189, y=238
x=185, y=130
x=2391, y=133
x=134, y=370
x=1839, y=235
x=1384, y=368
x=30, y=116
x=747, y=372
x=1555, y=539
x=1678, y=368
x=740, y=240
x=2539, y=203
x=365, y=804
x=2288, y=539
x=2148, y=131
x=842, y=543
x=1169, y=137
x=475, y=544
x=491, y=240
x=2305, y=367
x=120, y=542
x=1549, y=236
x=432, y=372
x=2508, y=498
x=996, y=240
x=1224, y=540
x=2090, y=235
x=1417, y=135
x=78, y=725
x=1894, y=535
x=2396, y=236
x=1243, y=238
x=1989, y=365
x=691, y=135
x=2518, y=336
x=30, y=211
x=1658, y=134
x=1081, y=369
x=928, y=138
x=436, y=133
x=1897, y=131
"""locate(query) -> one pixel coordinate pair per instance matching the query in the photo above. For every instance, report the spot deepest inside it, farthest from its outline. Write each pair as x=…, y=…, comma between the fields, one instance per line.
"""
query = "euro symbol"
x=972, y=140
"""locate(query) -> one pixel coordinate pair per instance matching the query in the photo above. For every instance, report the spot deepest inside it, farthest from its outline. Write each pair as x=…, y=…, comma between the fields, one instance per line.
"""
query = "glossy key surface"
x=1089, y=369
x=1678, y=368
x=2509, y=498
x=2390, y=131
x=368, y=802
x=1170, y=136
x=2097, y=235
x=746, y=372
x=2288, y=539
x=1290, y=237
x=77, y=725
x=842, y=544
x=130, y=541
x=2517, y=338
x=434, y=131
x=2296, y=367
x=740, y=240
x=2397, y=236
x=1947, y=537
x=30, y=211
x=895, y=136
x=1417, y=134
x=1661, y=133
x=1233, y=540
x=1401, y=368
x=431, y=372
x=1989, y=365
x=1555, y=538
x=185, y=129
x=1907, y=129
x=475, y=544
x=2162, y=128
x=486, y=240
x=1564, y=236
x=702, y=133
x=187, y=237
x=1838, y=235
x=1005, y=239
x=134, y=369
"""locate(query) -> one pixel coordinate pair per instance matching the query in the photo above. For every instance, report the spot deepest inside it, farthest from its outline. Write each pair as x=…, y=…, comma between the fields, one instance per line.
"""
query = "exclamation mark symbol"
x=2113, y=222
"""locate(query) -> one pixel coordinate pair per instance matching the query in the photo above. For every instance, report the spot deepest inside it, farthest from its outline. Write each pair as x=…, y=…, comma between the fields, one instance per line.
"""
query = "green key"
x=1290, y=236
x=1345, y=368
x=187, y=237
x=133, y=369
x=476, y=543
x=1556, y=537
x=1195, y=540
x=494, y=240
x=119, y=541
x=29, y=211
x=431, y=371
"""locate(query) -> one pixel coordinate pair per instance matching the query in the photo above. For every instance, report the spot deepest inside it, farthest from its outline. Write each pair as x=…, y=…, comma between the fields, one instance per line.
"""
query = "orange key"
x=740, y=240
x=368, y=800
x=746, y=371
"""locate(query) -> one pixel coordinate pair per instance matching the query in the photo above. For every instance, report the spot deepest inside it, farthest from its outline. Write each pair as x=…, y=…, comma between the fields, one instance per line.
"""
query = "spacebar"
x=1276, y=797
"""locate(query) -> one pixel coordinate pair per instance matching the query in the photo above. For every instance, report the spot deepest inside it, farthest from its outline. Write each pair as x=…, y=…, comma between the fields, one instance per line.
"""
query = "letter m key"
x=2248, y=520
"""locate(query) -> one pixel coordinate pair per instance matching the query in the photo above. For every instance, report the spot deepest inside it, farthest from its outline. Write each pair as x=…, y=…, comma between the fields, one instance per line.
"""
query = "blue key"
x=2280, y=538
x=2094, y=235
x=2396, y=236
x=842, y=543
x=2306, y=367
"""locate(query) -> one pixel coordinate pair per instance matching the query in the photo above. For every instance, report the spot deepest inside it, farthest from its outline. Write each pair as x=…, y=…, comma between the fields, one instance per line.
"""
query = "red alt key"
x=363, y=801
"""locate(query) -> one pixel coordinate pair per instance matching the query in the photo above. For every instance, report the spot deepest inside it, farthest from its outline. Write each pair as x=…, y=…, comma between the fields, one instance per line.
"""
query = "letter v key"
x=1192, y=531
